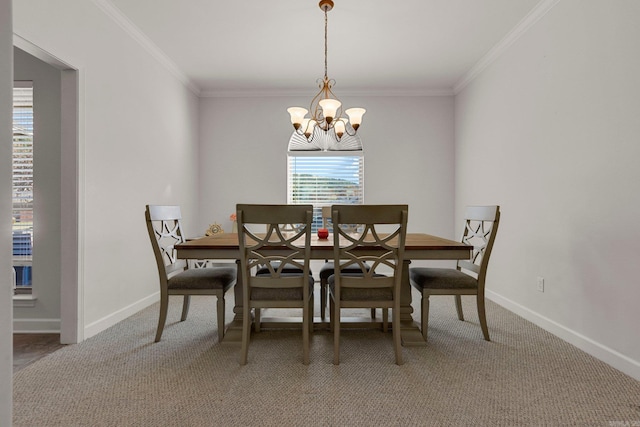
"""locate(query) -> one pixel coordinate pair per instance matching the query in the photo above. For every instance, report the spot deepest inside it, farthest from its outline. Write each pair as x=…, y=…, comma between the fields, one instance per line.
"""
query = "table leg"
x=233, y=334
x=409, y=330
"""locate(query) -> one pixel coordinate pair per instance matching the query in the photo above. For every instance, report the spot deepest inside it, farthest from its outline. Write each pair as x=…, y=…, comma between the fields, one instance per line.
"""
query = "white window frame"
x=23, y=146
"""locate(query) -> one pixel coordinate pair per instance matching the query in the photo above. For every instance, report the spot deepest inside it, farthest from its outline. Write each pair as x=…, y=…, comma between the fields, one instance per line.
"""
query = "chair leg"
x=424, y=317
x=385, y=319
x=220, y=310
x=331, y=319
x=459, y=307
x=336, y=332
x=483, y=317
x=256, y=319
x=305, y=333
x=246, y=331
x=395, y=329
x=311, y=308
x=164, y=306
x=323, y=297
x=185, y=307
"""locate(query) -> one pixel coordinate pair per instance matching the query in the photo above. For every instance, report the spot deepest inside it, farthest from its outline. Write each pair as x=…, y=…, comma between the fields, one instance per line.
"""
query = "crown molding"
x=289, y=93
x=130, y=28
x=521, y=28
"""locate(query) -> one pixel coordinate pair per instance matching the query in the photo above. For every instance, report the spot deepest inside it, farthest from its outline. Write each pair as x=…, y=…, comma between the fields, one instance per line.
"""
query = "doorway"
x=71, y=170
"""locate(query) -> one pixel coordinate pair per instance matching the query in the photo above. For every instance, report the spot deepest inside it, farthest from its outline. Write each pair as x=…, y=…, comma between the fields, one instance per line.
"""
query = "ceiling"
x=374, y=46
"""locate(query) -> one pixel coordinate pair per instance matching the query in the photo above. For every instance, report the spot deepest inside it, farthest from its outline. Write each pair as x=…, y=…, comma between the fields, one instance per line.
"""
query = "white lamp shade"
x=297, y=114
x=329, y=107
x=355, y=116
x=339, y=127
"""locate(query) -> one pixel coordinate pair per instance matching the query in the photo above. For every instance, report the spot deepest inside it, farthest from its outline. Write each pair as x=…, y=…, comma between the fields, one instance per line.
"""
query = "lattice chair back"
x=164, y=224
x=285, y=245
x=481, y=226
x=375, y=250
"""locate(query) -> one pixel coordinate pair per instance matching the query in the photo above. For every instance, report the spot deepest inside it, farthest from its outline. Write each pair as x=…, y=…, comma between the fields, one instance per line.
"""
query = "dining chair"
x=468, y=278
x=164, y=224
x=328, y=267
x=377, y=252
x=276, y=250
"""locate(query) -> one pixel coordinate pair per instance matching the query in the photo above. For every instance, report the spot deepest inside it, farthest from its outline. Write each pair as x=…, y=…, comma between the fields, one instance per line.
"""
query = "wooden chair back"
x=286, y=244
x=480, y=228
x=375, y=250
x=164, y=225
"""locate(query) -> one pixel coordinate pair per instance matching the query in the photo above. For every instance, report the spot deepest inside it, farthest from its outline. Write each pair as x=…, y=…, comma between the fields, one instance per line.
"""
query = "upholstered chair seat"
x=361, y=294
x=281, y=294
x=441, y=278
x=204, y=278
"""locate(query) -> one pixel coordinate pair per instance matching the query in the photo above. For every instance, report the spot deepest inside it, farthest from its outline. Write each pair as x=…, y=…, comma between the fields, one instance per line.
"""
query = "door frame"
x=71, y=192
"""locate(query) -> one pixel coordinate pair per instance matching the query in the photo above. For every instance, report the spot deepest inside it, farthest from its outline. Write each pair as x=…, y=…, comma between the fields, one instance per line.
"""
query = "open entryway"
x=54, y=305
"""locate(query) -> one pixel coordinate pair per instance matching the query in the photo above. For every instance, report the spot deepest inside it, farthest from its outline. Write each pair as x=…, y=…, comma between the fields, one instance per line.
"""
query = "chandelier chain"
x=325, y=43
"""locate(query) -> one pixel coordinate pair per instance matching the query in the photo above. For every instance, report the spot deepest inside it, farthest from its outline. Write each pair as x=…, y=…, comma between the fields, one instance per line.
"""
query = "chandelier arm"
x=310, y=139
x=346, y=130
x=302, y=134
x=314, y=107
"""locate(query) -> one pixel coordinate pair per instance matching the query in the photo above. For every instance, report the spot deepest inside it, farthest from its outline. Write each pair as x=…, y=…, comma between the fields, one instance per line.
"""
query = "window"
x=324, y=178
x=22, y=184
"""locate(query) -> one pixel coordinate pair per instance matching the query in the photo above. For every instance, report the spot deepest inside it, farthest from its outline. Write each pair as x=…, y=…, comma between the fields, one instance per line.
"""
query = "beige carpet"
x=524, y=377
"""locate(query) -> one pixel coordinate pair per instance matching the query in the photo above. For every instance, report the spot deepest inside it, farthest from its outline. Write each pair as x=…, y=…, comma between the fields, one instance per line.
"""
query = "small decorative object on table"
x=214, y=228
x=323, y=233
x=234, y=223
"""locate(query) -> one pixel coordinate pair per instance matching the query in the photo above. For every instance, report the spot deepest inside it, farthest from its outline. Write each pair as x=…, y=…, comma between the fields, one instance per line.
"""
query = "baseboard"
x=615, y=359
x=36, y=326
x=118, y=316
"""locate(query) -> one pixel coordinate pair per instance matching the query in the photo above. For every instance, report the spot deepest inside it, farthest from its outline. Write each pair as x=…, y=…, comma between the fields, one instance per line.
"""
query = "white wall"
x=408, y=146
x=138, y=145
x=550, y=132
x=45, y=315
x=6, y=147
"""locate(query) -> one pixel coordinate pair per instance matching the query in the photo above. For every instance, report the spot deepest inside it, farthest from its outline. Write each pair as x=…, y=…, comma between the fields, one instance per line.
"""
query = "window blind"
x=324, y=179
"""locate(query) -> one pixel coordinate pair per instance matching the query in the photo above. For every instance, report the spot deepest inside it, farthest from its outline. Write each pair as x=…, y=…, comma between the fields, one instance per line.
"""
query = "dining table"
x=418, y=246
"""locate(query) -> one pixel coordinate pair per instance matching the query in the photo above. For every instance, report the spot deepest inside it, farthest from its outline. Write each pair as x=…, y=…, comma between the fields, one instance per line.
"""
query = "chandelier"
x=325, y=108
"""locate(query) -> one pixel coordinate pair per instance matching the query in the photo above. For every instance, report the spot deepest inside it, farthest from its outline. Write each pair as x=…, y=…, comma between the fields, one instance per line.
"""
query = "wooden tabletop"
x=417, y=246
